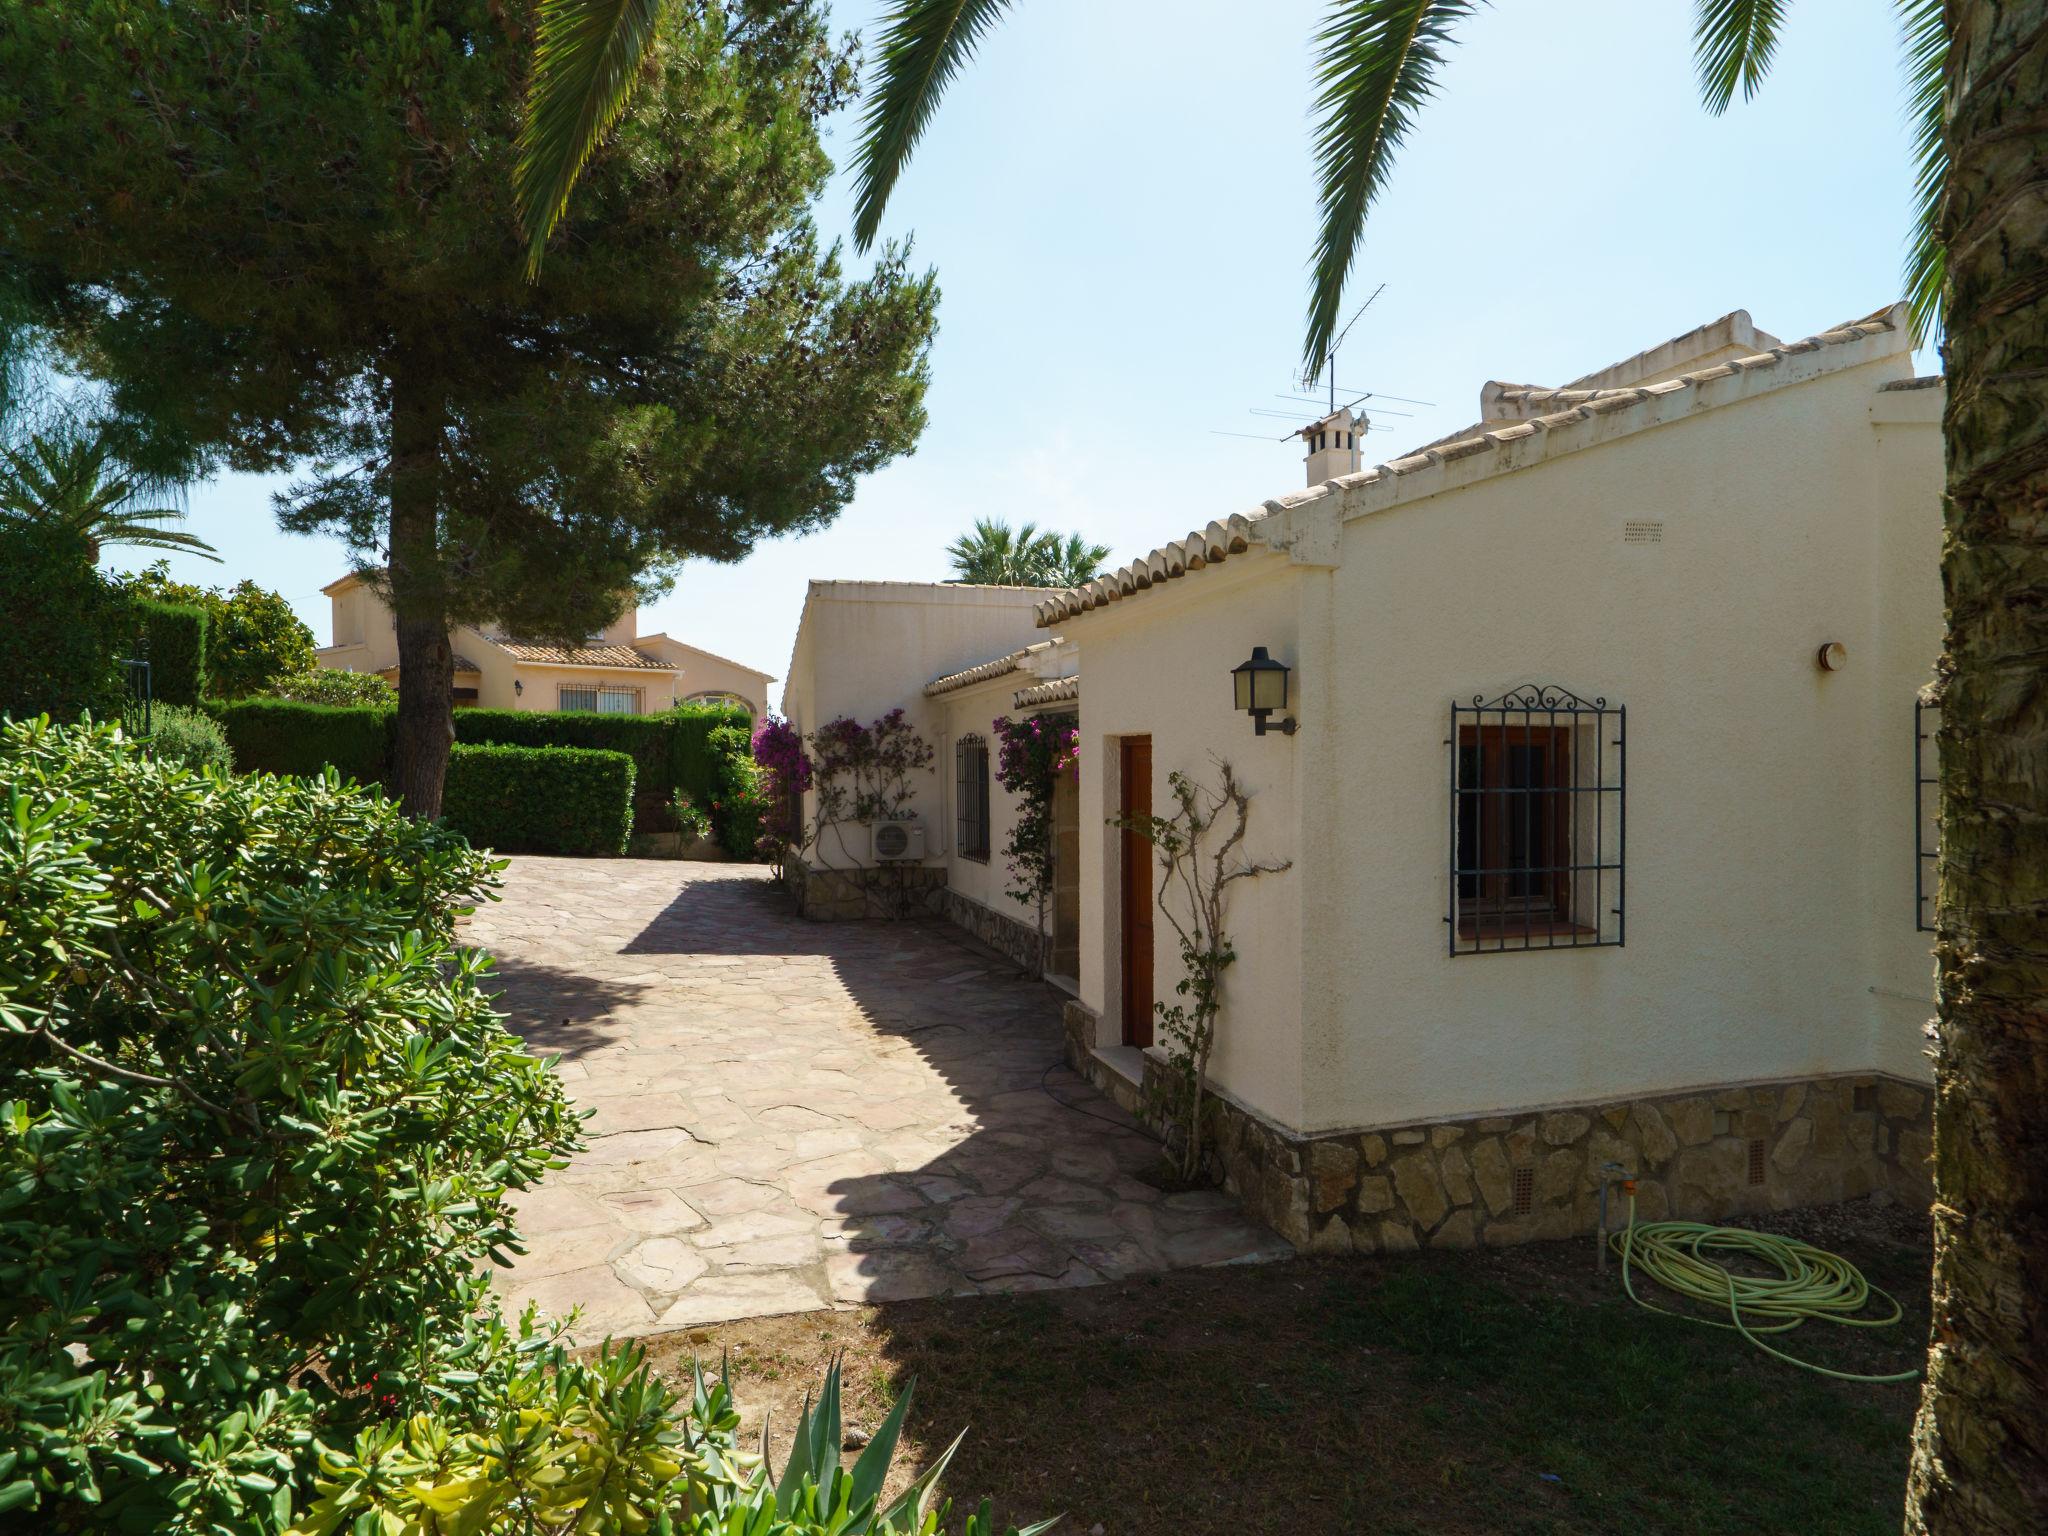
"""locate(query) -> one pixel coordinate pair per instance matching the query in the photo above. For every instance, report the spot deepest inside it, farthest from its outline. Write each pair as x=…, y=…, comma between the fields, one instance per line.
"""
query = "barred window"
x=1926, y=811
x=604, y=699
x=1538, y=829
x=970, y=799
x=568, y=698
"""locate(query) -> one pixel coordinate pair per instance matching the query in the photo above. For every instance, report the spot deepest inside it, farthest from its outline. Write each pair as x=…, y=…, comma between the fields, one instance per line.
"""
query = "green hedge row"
x=540, y=799
x=283, y=736
x=670, y=751
x=61, y=638
x=173, y=636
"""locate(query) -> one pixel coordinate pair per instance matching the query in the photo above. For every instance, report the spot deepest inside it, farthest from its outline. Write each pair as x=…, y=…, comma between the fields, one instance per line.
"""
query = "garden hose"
x=1811, y=1283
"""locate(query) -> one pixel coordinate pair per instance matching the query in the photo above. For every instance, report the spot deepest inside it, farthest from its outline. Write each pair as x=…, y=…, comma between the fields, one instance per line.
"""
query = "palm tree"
x=1073, y=562
x=1979, y=87
x=996, y=555
x=73, y=476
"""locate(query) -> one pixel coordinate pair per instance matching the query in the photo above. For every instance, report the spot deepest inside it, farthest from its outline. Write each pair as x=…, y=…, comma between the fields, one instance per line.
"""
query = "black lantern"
x=1261, y=688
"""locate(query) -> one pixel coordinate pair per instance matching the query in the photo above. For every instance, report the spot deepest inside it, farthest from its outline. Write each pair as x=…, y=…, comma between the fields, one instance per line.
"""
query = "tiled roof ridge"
x=583, y=655
x=1001, y=666
x=1239, y=532
x=1057, y=691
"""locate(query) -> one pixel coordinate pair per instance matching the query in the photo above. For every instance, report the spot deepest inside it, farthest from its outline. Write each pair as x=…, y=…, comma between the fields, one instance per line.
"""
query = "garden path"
x=789, y=1116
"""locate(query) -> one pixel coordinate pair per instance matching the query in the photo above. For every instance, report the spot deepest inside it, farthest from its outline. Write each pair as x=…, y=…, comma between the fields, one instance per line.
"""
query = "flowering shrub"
x=785, y=774
x=690, y=818
x=735, y=801
x=1030, y=756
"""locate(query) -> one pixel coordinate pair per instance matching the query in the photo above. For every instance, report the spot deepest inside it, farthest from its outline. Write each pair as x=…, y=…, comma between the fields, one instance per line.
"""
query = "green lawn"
x=1483, y=1392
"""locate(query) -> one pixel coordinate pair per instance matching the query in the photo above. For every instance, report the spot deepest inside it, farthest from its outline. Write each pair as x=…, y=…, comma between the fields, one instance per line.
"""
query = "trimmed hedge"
x=540, y=799
x=61, y=637
x=670, y=750
x=283, y=736
x=173, y=637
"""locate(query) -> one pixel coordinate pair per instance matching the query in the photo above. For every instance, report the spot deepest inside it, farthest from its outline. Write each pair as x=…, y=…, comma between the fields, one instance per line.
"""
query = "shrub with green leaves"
x=668, y=749
x=323, y=685
x=258, y=1128
x=736, y=801
x=190, y=738
x=540, y=799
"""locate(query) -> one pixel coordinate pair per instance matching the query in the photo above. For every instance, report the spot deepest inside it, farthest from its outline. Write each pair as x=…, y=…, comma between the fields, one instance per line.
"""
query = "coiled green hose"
x=1811, y=1283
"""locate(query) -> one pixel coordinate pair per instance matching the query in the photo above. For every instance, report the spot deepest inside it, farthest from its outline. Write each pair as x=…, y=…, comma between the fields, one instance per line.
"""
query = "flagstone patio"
x=789, y=1116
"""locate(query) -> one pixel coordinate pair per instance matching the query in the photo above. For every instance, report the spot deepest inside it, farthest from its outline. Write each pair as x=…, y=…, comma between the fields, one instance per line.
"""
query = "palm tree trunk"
x=1980, y=1446
x=419, y=606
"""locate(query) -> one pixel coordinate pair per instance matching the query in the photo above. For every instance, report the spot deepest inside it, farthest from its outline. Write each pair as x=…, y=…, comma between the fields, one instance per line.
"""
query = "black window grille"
x=1926, y=811
x=1538, y=822
x=970, y=780
x=135, y=698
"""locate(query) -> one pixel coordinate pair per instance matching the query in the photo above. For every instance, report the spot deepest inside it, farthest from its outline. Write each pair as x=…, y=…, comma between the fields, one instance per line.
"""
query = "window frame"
x=972, y=832
x=1571, y=865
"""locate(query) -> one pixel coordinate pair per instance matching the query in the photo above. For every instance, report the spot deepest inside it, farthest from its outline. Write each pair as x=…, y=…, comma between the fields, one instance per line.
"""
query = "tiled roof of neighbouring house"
x=464, y=664
x=1058, y=691
x=1514, y=446
x=584, y=656
x=1000, y=667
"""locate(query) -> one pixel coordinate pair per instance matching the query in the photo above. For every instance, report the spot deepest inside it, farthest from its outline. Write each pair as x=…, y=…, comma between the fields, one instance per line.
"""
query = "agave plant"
x=816, y=1492
x=74, y=477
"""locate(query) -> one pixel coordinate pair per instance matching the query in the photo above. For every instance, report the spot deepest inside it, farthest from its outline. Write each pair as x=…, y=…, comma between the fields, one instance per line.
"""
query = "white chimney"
x=1333, y=446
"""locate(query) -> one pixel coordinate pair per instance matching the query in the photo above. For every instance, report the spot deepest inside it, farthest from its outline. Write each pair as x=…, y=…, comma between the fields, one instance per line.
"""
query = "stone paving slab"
x=788, y=1116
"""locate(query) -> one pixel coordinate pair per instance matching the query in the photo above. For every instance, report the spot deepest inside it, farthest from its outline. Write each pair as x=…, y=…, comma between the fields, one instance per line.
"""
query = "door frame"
x=1136, y=992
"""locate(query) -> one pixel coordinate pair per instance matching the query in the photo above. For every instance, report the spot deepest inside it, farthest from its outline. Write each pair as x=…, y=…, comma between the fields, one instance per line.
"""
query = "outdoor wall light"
x=517, y=687
x=1261, y=688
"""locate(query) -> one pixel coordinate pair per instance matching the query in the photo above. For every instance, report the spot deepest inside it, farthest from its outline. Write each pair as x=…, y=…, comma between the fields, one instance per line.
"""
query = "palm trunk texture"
x=1980, y=1446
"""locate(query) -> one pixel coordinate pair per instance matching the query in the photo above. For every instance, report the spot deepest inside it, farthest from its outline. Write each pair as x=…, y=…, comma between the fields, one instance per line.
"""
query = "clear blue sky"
x=1118, y=200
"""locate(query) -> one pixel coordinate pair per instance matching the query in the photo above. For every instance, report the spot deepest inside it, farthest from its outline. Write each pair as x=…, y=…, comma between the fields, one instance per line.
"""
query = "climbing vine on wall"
x=1195, y=875
x=857, y=773
x=1031, y=755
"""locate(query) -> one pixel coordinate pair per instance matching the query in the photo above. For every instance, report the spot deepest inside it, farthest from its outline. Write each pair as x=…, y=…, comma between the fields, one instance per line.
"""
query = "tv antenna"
x=1329, y=362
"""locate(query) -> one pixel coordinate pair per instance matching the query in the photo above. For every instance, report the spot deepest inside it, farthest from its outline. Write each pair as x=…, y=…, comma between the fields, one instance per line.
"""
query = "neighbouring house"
x=616, y=672
x=1600, y=779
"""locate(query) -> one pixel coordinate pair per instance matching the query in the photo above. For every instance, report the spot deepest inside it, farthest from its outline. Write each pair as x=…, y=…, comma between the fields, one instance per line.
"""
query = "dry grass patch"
x=1486, y=1392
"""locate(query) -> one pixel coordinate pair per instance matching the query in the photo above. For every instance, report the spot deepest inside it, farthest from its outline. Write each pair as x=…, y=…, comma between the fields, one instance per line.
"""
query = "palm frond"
x=1733, y=42
x=924, y=43
x=1376, y=63
x=587, y=55
x=1926, y=62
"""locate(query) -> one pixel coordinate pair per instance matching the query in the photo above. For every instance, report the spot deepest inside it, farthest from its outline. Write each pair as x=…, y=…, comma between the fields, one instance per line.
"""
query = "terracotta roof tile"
x=584, y=656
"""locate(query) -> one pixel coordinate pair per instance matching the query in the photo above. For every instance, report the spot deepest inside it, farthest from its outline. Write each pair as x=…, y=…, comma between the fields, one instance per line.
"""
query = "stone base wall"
x=1702, y=1155
x=1007, y=936
x=849, y=895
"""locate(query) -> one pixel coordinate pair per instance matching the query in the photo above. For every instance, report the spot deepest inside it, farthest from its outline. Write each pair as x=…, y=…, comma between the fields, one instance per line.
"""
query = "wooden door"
x=1139, y=873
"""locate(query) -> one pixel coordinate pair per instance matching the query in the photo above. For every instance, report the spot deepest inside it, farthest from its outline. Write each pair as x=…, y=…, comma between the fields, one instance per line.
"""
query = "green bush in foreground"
x=190, y=738
x=62, y=635
x=258, y=1129
x=540, y=799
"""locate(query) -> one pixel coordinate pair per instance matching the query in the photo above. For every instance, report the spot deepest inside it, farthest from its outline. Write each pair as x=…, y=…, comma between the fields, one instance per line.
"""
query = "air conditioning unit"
x=890, y=841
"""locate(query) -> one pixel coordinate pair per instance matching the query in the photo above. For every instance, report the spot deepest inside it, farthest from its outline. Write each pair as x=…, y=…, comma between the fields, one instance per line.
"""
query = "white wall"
x=1160, y=665
x=1769, y=856
x=1753, y=782
x=972, y=711
x=866, y=647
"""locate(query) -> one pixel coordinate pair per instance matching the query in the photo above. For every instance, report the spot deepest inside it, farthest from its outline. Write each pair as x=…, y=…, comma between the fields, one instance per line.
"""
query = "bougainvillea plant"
x=1031, y=755
x=861, y=773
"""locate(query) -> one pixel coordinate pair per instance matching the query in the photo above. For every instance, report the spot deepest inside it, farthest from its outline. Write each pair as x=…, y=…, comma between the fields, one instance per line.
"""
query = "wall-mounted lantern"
x=517, y=688
x=1261, y=689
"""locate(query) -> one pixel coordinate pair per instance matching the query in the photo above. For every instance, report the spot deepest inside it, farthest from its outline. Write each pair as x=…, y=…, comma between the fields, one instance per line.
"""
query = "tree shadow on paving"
x=1020, y=1176
x=560, y=1012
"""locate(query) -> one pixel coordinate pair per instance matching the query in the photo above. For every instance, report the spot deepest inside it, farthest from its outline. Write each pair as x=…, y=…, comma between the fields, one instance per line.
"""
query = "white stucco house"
x=1596, y=780
x=619, y=671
